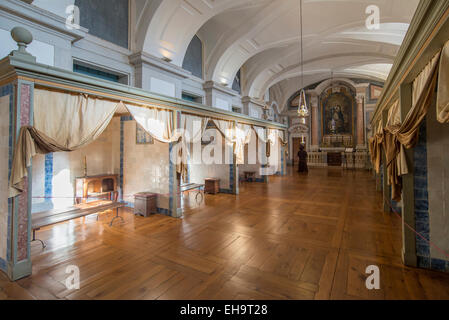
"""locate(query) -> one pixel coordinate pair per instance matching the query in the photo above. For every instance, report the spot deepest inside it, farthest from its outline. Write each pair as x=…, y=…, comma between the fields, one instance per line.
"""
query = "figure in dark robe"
x=302, y=155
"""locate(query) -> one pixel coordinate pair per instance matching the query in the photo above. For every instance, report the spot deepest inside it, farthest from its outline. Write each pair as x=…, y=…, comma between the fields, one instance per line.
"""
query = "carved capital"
x=360, y=98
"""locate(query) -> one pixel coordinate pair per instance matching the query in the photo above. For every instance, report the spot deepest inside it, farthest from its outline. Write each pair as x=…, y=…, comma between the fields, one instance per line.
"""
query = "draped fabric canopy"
x=282, y=139
x=76, y=120
x=157, y=122
x=396, y=135
x=226, y=128
x=272, y=136
x=242, y=137
x=194, y=126
x=443, y=87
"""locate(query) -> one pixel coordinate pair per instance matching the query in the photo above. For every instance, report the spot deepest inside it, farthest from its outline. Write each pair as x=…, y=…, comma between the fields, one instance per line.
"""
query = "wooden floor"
x=298, y=237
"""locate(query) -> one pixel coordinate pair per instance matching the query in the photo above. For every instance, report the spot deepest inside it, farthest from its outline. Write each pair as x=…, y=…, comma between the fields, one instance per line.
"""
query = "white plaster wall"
x=438, y=184
x=156, y=80
x=4, y=158
x=162, y=87
x=146, y=167
x=199, y=172
x=254, y=111
x=250, y=149
x=222, y=101
x=275, y=157
x=38, y=182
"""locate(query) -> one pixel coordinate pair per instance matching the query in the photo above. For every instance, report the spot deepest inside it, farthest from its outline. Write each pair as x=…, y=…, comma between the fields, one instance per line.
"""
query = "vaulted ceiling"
x=262, y=36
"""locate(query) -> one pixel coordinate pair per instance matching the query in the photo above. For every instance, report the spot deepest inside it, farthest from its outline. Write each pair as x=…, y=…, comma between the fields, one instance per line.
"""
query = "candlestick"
x=85, y=166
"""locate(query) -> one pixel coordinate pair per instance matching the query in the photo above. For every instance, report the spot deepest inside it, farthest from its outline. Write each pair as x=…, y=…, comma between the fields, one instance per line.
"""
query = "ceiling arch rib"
x=340, y=63
x=265, y=65
x=225, y=63
x=284, y=90
x=165, y=28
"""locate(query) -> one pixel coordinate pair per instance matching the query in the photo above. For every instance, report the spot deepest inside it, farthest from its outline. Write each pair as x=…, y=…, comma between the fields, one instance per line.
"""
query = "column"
x=315, y=143
x=408, y=188
x=20, y=259
x=361, y=120
x=175, y=209
x=234, y=169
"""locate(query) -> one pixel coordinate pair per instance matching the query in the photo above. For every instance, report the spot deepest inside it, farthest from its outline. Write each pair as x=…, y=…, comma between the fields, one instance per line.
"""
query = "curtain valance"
x=443, y=87
x=226, y=128
x=78, y=119
x=282, y=138
x=194, y=126
x=242, y=136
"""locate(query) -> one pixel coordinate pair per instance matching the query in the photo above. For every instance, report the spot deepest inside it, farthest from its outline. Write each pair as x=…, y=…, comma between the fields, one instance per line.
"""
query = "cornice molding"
x=40, y=19
x=208, y=85
x=248, y=99
x=143, y=58
x=56, y=78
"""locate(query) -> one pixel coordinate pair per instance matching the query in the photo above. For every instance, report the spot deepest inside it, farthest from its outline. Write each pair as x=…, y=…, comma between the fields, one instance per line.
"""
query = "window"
x=192, y=98
x=193, y=60
x=93, y=71
x=237, y=109
x=106, y=19
x=236, y=84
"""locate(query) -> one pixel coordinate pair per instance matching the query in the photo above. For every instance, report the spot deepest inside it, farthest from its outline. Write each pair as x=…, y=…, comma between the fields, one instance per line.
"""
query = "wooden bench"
x=194, y=186
x=48, y=218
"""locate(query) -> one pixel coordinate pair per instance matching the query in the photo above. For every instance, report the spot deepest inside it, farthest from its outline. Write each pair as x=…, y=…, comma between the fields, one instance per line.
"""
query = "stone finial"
x=23, y=37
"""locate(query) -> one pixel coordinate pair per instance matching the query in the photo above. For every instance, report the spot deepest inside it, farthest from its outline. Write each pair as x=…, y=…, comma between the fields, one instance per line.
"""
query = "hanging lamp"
x=303, y=111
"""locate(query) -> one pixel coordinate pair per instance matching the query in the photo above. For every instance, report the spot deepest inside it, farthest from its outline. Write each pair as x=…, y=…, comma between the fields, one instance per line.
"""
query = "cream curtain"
x=271, y=142
x=262, y=136
x=226, y=128
x=195, y=127
x=282, y=139
x=394, y=114
x=443, y=87
x=242, y=137
x=405, y=135
x=260, y=132
x=159, y=123
x=62, y=122
x=272, y=136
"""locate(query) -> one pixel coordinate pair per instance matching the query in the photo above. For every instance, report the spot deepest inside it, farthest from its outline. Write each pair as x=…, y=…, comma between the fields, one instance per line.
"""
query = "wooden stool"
x=212, y=185
x=145, y=203
x=249, y=176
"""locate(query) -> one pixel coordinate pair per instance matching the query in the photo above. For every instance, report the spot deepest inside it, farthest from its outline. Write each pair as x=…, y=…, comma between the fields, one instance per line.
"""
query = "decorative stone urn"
x=23, y=37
